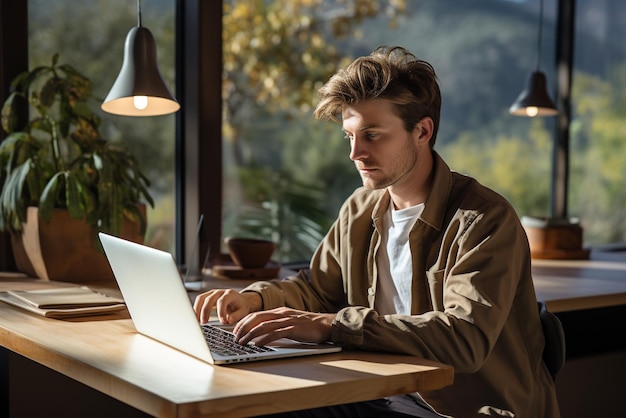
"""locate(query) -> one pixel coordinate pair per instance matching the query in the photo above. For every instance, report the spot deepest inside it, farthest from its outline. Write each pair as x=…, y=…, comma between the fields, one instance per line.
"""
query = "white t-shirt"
x=394, y=261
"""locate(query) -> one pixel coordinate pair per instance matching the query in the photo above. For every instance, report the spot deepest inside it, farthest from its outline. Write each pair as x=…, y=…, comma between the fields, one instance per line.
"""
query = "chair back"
x=554, y=349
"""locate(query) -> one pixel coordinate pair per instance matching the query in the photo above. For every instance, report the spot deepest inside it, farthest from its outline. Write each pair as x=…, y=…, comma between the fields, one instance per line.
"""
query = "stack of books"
x=64, y=302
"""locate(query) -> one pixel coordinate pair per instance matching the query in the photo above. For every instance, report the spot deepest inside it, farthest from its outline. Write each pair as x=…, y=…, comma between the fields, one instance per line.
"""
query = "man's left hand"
x=266, y=326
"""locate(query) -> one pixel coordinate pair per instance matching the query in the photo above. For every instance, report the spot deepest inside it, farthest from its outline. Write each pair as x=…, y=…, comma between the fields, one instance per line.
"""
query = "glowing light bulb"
x=140, y=102
x=532, y=111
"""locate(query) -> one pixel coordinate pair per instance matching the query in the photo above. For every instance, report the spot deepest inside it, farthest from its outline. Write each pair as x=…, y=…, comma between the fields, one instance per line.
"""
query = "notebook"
x=66, y=302
x=160, y=308
x=64, y=298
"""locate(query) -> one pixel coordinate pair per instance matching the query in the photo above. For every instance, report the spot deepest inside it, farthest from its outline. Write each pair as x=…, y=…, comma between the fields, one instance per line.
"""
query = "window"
x=287, y=174
x=598, y=128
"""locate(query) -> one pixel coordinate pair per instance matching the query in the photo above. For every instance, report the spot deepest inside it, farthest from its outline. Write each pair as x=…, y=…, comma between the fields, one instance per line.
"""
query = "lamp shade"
x=534, y=99
x=139, y=89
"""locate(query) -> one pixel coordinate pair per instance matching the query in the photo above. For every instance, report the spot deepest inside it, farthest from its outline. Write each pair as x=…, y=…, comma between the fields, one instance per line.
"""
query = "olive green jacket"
x=473, y=301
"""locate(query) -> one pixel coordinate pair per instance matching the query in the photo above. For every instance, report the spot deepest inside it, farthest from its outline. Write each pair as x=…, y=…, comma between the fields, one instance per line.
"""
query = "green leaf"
x=97, y=161
x=79, y=86
x=11, y=200
x=133, y=213
x=22, y=82
x=73, y=196
x=8, y=147
x=39, y=124
x=49, y=196
x=9, y=117
x=35, y=181
x=49, y=91
x=115, y=212
x=85, y=135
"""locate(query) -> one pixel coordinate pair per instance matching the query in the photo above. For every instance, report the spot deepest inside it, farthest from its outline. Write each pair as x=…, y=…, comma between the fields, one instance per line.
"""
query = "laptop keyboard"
x=223, y=342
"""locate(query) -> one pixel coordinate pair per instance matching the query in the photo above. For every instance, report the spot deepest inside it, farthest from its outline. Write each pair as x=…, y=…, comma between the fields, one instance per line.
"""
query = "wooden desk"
x=589, y=297
x=108, y=355
x=570, y=285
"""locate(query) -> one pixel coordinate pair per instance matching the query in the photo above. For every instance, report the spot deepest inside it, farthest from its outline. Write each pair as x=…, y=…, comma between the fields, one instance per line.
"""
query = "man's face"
x=382, y=150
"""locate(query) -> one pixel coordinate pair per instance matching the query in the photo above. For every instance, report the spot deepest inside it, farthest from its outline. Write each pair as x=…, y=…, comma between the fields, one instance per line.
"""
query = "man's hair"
x=391, y=73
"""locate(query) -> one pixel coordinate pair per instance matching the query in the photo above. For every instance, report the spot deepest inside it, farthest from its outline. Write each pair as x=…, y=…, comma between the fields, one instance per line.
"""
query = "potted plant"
x=57, y=165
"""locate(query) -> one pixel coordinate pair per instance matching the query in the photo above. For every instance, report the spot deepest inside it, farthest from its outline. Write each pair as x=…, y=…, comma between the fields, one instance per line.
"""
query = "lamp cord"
x=139, y=13
x=539, y=33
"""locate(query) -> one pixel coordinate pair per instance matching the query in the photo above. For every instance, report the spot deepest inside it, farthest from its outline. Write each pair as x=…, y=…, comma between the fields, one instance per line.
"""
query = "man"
x=421, y=260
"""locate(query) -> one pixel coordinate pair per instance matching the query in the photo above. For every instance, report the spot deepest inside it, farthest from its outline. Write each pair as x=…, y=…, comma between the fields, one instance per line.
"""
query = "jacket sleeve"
x=322, y=291
x=338, y=274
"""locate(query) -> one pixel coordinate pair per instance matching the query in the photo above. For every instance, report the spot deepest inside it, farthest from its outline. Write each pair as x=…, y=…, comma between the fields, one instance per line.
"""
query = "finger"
x=204, y=304
x=231, y=307
x=264, y=330
x=271, y=336
x=198, y=303
x=249, y=321
x=207, y=306
x=226, y=309
x=242, y=325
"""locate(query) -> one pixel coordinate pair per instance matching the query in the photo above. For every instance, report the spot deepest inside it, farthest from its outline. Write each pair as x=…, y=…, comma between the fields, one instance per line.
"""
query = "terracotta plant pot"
x=550, y=238
x=65, y=249
x=250, y=252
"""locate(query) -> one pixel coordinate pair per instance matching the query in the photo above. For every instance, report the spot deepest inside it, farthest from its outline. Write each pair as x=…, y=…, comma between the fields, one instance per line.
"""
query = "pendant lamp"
x=534, y=100
x=139, y=89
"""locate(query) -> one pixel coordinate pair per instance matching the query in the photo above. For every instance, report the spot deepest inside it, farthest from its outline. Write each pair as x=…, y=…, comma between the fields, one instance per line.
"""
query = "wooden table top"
x=569, y=285
x=107, y=354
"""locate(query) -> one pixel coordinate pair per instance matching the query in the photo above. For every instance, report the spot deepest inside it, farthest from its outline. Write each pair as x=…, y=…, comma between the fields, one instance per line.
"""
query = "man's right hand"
x=230, y=305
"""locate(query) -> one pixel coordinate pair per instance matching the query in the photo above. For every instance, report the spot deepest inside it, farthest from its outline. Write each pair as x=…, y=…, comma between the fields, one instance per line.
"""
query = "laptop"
x=160, y=308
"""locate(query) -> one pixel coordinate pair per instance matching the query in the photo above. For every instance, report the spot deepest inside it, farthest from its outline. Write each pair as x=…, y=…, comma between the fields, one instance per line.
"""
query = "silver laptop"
x=160, y=308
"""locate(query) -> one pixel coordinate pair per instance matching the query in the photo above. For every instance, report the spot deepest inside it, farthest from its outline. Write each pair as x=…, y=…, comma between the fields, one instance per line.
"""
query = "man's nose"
x=358, y=149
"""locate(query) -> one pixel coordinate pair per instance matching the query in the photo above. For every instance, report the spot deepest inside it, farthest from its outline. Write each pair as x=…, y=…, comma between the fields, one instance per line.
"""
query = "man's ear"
x=424, y=129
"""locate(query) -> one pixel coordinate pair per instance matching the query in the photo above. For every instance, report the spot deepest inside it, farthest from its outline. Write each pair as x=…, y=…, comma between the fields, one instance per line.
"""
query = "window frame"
x=199, y=125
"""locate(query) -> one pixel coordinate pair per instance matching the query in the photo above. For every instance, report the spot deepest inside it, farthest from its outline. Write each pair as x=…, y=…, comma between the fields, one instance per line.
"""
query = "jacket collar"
x=436, y=202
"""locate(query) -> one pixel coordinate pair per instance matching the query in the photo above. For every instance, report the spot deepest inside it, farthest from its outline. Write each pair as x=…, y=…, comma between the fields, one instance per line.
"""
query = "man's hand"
x=231, y=305
x=267, y=326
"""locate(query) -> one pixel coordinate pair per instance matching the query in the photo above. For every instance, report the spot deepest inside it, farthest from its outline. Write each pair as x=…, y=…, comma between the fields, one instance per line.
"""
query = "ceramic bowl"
x=250, y=252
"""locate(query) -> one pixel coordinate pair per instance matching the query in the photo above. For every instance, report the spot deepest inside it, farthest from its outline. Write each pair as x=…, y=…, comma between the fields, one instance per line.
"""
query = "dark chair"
x=554, y=350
